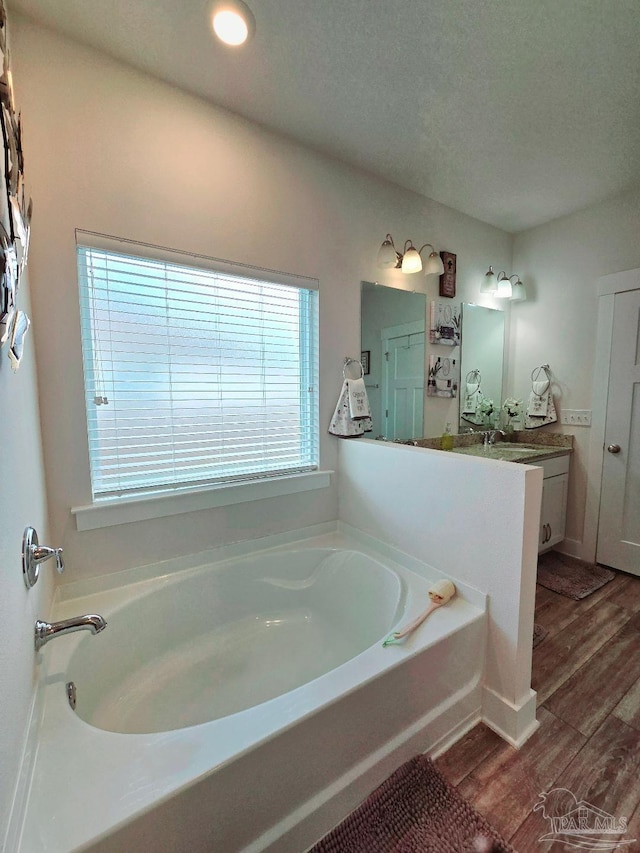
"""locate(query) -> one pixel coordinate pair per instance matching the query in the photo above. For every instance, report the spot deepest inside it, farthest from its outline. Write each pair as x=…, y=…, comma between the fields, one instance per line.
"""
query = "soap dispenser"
x=446, y=442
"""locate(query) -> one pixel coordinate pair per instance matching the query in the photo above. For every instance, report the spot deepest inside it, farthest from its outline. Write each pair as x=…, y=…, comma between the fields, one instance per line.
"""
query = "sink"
x=502, y=450
x=519, y=449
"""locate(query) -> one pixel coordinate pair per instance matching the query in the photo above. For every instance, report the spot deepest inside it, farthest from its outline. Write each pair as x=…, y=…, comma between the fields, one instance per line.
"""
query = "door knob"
x=614, y=448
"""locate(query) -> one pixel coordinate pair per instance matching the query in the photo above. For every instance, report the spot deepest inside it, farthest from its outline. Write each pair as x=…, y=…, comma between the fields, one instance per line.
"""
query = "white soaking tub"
x=245, y=704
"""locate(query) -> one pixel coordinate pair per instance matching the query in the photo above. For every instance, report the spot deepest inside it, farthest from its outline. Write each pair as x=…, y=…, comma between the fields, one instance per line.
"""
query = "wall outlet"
x=576, y=417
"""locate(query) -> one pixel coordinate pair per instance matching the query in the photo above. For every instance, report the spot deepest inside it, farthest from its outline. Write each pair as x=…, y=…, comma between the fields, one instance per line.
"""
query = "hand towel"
x=472, y=398
x=539, y=399
x=342, y=424
x=358, y=400
x=550, y=415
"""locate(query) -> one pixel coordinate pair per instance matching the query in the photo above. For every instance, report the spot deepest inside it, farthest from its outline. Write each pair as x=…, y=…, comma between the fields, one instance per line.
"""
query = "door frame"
x=608, y=287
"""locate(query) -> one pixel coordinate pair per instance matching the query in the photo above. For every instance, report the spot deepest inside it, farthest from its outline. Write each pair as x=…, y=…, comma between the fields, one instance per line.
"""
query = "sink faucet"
x=490, y=436
x=46, y=631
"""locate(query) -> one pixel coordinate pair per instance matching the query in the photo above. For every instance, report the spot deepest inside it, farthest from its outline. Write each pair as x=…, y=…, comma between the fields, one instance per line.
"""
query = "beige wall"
x=115, y=151
x=112, y=150
x=22, y=503
x=560, y=263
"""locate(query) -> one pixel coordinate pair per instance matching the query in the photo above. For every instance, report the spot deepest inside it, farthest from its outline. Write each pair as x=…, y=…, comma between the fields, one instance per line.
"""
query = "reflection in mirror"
x=392, y=326
x=482, y=367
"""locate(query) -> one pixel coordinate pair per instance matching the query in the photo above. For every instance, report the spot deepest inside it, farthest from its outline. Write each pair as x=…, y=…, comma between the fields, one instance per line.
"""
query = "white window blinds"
x=194, y=376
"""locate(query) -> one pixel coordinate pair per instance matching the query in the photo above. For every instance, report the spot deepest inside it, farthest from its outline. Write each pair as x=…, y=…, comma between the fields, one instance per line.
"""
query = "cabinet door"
x=553, y=512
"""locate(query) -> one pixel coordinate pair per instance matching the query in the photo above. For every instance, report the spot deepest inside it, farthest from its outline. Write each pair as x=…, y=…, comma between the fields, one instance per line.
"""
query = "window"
x=195, y=373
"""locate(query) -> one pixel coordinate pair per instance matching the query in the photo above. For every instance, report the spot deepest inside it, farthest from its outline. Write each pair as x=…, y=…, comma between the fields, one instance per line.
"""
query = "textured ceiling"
x=513, y=111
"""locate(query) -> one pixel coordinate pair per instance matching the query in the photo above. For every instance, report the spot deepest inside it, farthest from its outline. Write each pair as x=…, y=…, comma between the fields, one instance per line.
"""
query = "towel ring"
x=473, y=376
x=349, y=361
x=535, y=373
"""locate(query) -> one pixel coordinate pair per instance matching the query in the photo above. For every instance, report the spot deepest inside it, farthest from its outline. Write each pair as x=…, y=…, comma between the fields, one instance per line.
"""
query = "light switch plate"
x=576, y=417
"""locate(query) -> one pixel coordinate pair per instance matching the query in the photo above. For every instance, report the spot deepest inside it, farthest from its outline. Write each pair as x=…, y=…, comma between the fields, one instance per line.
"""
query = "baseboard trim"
x=574, y=548
x=514, y=723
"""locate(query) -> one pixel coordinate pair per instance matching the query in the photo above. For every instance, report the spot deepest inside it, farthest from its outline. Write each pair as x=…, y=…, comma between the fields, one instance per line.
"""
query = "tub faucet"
x=46, y=631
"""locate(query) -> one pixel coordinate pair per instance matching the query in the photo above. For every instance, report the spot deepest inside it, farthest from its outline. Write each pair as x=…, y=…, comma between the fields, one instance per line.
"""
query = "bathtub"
x=245, y=703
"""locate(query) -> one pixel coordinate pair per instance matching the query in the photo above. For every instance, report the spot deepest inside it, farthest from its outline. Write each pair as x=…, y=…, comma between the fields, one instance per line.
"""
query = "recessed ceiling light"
x=233, y=22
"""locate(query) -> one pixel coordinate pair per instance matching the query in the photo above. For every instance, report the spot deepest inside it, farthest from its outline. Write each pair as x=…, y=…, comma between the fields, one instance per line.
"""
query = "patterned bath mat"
x=571, y=577
x=414, y=811
x=539, y=633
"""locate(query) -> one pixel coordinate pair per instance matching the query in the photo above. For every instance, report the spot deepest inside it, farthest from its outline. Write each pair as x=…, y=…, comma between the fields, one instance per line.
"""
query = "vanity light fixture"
x=519, y=291
x=502, y=287
x=410, y=259
x=233, y=21
x=489, y=283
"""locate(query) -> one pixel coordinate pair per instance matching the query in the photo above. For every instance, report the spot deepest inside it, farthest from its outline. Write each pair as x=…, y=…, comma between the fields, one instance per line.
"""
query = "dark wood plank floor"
x=587, y=675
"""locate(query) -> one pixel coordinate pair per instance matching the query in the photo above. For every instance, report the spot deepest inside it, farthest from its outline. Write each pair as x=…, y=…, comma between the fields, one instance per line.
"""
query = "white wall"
x=474, y=520
x=112, y=150
x=560, y=263
x=22, y=503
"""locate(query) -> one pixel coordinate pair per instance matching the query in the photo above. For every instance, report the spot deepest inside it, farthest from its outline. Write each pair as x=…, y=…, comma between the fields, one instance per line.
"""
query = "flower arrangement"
x=486, y=407
x=512, y=408
x=511, y=413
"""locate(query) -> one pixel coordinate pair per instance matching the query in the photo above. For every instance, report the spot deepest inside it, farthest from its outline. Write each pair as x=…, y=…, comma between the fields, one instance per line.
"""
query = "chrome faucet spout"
x=46, y=631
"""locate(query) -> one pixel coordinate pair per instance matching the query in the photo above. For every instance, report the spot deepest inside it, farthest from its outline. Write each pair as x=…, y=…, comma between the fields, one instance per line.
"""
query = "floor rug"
x=414, y=811
x=539, y=633
x=571, y=577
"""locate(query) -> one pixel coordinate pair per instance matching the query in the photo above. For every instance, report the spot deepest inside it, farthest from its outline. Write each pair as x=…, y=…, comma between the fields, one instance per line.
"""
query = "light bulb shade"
x=434, y=265
x=387, y=255
x=489, y=282
x=504, y=288
x=519, y=293
x=411, y=261
x=233, y=21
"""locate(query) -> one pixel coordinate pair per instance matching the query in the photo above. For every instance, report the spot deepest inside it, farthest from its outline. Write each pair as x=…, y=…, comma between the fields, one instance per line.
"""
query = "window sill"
x=127, y=510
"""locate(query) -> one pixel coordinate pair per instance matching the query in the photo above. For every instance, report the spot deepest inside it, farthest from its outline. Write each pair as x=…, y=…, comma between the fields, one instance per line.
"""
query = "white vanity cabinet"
x=554, y=501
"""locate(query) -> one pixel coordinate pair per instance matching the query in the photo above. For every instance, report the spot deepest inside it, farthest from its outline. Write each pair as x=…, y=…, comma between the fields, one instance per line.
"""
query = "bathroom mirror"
x=392, y=326
x=482, y=362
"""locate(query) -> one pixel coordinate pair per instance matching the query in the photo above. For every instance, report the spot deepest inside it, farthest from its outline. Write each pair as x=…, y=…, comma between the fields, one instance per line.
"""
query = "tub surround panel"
x=477, y=520
x=267, y=771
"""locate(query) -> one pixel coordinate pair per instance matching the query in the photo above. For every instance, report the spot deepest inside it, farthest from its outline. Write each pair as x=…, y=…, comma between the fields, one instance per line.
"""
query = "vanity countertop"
x=514, y=452
x=522, y=446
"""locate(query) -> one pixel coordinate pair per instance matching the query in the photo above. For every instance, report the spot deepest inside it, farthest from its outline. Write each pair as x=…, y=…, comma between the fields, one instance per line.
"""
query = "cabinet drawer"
x=554, y=466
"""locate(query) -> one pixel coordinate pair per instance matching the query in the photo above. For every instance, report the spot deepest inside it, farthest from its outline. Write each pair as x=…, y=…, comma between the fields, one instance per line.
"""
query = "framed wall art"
x=448, y=277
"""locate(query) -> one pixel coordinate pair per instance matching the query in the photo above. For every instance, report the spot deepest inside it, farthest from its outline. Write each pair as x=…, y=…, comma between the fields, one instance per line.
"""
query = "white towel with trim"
x=472, y=398
x=342, y=424
x=358, y=400
x=539, y=399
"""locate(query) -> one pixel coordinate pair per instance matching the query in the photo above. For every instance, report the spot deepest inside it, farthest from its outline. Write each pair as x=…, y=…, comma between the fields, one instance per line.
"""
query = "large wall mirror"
x=393, y=334
x=482, y=363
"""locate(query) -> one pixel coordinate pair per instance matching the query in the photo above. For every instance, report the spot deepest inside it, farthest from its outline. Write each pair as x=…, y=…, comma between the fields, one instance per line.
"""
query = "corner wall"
x=115, y=151
x=560, y=263
x=475, y=520
x=22, y=503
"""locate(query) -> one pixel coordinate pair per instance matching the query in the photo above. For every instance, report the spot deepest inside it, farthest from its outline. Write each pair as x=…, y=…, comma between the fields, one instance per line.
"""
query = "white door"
x=619, y=525
x=403, y=381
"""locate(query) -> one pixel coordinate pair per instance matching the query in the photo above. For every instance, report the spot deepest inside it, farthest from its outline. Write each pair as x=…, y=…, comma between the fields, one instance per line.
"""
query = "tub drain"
x=71, y=694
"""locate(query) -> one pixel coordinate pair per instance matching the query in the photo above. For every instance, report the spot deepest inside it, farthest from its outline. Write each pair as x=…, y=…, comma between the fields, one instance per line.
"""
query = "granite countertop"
x=522, y=446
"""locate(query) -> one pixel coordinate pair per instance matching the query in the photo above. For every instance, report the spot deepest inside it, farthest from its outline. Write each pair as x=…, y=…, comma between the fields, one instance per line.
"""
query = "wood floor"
x=587, y=675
